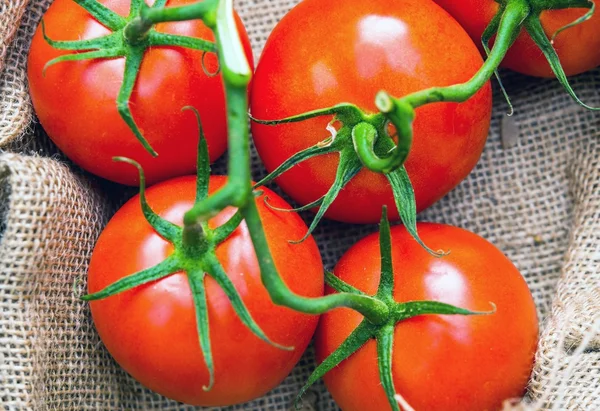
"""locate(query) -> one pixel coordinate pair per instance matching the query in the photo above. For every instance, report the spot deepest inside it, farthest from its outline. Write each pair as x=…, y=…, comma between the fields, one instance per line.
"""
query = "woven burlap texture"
x=15, y=110
x=538, y=201
x=51, y=219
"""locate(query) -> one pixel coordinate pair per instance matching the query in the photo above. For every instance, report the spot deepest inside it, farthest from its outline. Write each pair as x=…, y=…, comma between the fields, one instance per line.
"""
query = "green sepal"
x=132, y=68
x=363, y=333
x=385, y=347
x=161, y=270
x=345, y=112
x=348, y=167
x=196, y=281
x=217, y=272
x=410, y=309
x=537, y=34
x=223, y=232
x=339, y=285
x=582, y=19
x=169, y=231
x=306, y=207
x=103, y=14
x=202, y=159
x=110, y=41
x=386, y=280
x=94, y=54
x=313, y=151
x=136, y=6
x=404, y=197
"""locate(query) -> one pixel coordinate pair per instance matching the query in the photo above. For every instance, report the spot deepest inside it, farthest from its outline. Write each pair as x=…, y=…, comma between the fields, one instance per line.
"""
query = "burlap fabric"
x=539, y=201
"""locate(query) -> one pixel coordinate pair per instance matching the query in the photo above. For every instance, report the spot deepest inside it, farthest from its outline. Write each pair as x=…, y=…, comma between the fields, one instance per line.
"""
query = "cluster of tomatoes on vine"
x=208, y=289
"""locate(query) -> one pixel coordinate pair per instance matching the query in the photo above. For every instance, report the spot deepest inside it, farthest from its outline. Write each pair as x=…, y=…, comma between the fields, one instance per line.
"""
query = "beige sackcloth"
x=537, y=200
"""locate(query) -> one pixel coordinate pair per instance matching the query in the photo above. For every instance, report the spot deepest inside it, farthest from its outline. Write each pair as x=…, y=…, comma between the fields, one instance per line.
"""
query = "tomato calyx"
x=130, y=37
x=362, y=141
x=516, y=15
x=382, y=331
x=194, y=253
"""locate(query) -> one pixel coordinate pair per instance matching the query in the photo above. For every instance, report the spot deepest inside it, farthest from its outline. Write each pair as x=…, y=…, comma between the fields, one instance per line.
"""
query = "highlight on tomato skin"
x=75, y=101
x=578, y=47
x=151, y=330
x=439, y=362
x=326, y=53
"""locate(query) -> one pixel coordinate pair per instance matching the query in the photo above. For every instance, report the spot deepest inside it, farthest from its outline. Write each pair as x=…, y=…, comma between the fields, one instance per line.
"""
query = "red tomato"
x=323, y=53
x=151, y=330
x=439, y=362
x=578, y=47
x=76, y=101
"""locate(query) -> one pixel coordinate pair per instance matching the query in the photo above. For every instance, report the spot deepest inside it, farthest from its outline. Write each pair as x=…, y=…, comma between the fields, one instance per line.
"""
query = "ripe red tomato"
x=578, y=47
x=151, y=330
x=324, y=53
x=76, y=101
x=439, y=362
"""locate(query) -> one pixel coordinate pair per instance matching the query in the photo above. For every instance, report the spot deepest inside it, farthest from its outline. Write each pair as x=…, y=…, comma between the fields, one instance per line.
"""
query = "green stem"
x=137, y=30
x=194, y=239
x=205, y=10
x=211, y=206
x=236, y=70
x=364, y=136
x=236, y=76
x=377, y=312
x=510, y=24
x=238, y=141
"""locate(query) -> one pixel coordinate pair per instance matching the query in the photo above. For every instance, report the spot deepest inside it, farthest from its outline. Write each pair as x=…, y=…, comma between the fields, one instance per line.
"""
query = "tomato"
x=76, y=101
x=578, y=47
x=324, y=53
x=151, y=330
x=439, y=362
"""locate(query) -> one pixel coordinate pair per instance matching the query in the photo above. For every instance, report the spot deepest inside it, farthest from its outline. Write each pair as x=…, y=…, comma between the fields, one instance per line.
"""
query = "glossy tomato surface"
x=578, y=47
x=323, y=53
x=76, y=101
x=151, y=330
x=439, y=362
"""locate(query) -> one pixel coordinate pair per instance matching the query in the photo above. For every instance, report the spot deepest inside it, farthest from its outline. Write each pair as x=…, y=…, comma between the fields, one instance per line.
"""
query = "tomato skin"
x=324, y=53
x=76, y=101
x=439, y=362
x=578, y=47
x=151, y=330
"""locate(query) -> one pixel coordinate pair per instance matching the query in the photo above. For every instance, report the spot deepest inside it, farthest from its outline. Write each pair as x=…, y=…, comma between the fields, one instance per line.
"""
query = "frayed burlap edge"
x=12, y=11
x=566, y=375
x=16, y=112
